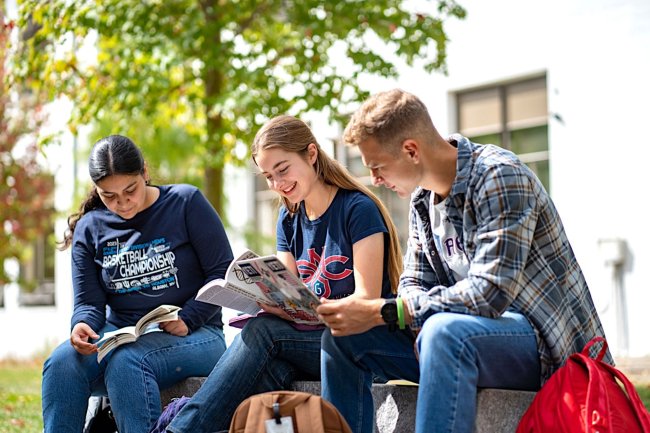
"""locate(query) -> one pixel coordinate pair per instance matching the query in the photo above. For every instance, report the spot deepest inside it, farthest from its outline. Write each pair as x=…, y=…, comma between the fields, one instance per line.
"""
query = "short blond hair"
x=389, y=117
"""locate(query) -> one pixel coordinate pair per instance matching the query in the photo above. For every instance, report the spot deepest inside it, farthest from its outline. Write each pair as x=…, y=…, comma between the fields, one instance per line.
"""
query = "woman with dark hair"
x=333, y=233
x=135, y=246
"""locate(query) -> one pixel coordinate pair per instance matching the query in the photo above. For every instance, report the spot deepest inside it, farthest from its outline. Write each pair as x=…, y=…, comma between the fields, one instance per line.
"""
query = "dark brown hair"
x=110, y=155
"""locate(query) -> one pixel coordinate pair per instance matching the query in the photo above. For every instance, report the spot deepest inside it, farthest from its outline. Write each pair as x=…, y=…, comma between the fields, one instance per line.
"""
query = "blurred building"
x=562, y=84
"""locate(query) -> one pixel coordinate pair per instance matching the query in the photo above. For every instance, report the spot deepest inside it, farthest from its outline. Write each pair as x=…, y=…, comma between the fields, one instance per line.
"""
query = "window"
x=36, y=274
x=512, y=115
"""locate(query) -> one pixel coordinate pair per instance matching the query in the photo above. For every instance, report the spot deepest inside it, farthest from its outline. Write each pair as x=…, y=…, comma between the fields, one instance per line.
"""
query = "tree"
x=26, y=188
x=217, y=69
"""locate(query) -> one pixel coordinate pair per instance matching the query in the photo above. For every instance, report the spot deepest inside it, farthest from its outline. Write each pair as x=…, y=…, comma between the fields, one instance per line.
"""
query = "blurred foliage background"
x=26, y=187
x=191, y=80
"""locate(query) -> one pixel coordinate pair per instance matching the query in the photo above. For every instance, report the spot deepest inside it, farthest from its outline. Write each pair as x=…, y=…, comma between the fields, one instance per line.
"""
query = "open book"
x=148, y=323
x=251, y=279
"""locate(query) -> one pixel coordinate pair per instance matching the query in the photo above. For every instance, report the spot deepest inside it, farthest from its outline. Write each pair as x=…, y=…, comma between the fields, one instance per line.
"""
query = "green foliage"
x=26, y=188
x=170, y=155
x=218, y=69
x=258, y=242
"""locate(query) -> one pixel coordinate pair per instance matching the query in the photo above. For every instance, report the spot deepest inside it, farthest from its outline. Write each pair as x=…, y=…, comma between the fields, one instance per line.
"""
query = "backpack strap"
x=309, y=416
x=639, y=408
x=603, y=350
x=599, y=374
x=257, y=406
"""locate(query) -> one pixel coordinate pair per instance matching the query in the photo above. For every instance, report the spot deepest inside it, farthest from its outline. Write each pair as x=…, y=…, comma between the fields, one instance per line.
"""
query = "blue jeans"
x=458, y=353
x=267, y=355
x=131, y=376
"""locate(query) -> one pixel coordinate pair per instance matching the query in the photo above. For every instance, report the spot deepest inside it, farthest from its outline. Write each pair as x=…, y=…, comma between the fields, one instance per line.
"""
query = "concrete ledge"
x=499, y=410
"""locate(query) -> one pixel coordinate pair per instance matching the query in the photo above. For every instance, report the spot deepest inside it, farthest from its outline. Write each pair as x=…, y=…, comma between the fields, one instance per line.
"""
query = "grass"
x=644, y=393
x=20, y=396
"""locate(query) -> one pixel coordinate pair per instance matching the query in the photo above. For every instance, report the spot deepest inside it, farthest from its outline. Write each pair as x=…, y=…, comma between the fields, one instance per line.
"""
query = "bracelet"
x=400, y=314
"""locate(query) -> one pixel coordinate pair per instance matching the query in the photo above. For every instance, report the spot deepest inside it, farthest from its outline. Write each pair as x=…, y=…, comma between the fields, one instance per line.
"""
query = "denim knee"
x=63, y=360
x=260, y=330
x=442, y=330
x=326, y=339
x=126, y=355
x=332, y=345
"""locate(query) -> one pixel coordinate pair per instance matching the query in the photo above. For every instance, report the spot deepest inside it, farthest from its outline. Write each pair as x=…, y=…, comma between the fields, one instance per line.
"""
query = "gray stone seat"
x=498, y=410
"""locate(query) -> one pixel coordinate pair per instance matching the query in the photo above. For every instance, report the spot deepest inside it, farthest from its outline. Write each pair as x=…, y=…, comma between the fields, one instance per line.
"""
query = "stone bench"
x=498, y=410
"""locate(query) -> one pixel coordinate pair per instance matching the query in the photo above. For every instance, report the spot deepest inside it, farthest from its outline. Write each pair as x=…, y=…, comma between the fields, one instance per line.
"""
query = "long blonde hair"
x=293, y=135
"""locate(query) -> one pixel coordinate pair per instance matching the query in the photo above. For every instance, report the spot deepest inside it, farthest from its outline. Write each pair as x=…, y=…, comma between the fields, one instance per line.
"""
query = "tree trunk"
x=213, y=189
x=213, y=80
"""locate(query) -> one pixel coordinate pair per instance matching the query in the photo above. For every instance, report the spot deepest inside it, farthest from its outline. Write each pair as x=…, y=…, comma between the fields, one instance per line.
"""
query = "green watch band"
x=400, y=313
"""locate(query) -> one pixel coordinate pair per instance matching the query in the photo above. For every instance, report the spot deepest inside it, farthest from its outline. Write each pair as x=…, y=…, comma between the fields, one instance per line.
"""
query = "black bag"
x=99, y=416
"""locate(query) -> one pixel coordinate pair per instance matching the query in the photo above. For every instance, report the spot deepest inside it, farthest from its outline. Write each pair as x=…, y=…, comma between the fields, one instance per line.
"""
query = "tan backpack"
x=309, y=413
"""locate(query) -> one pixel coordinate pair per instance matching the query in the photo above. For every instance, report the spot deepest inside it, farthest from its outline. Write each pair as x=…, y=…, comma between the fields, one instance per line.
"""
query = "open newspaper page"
x=237, y=291
x=251, y=279
x=282, y=287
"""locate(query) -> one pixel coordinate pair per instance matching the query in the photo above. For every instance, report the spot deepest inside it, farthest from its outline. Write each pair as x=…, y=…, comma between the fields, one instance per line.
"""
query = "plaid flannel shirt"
x=520, y=257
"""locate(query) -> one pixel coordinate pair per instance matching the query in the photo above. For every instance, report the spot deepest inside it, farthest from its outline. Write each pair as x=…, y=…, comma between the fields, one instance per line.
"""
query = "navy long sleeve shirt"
x=163, y=255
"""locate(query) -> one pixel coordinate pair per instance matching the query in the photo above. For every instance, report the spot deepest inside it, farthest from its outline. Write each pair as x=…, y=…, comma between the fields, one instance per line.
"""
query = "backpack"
x=99, y=416
x=584, y=396
x=308, y=413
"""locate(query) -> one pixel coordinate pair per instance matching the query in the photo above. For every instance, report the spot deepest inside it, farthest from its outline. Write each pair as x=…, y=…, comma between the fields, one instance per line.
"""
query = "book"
x=147, y=323
x=252, y=280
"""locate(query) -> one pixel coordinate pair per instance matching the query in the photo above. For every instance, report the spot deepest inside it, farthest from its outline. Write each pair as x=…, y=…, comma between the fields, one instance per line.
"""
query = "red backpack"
x=585, y=396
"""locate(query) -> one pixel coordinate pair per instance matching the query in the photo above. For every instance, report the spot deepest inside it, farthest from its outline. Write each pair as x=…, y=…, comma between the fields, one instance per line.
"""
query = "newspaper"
x=252, y=280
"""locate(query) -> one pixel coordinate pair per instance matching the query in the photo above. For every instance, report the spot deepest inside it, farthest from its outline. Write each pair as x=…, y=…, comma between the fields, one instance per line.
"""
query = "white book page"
x=219, y=292
x=126, y=330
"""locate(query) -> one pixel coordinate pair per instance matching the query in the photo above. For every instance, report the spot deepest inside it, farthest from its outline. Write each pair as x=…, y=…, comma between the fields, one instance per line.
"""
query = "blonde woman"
x=334, y=234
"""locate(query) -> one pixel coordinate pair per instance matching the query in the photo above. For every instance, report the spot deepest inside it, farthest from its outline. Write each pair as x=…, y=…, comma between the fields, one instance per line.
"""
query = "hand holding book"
x=148, y=323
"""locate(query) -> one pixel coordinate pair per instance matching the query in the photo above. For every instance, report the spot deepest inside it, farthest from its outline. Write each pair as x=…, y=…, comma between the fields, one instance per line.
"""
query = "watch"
x=389, y=314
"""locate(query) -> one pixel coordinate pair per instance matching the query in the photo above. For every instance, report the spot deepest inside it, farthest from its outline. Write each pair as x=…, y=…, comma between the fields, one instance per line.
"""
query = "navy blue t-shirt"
x=163, y=255
x=323, y=247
